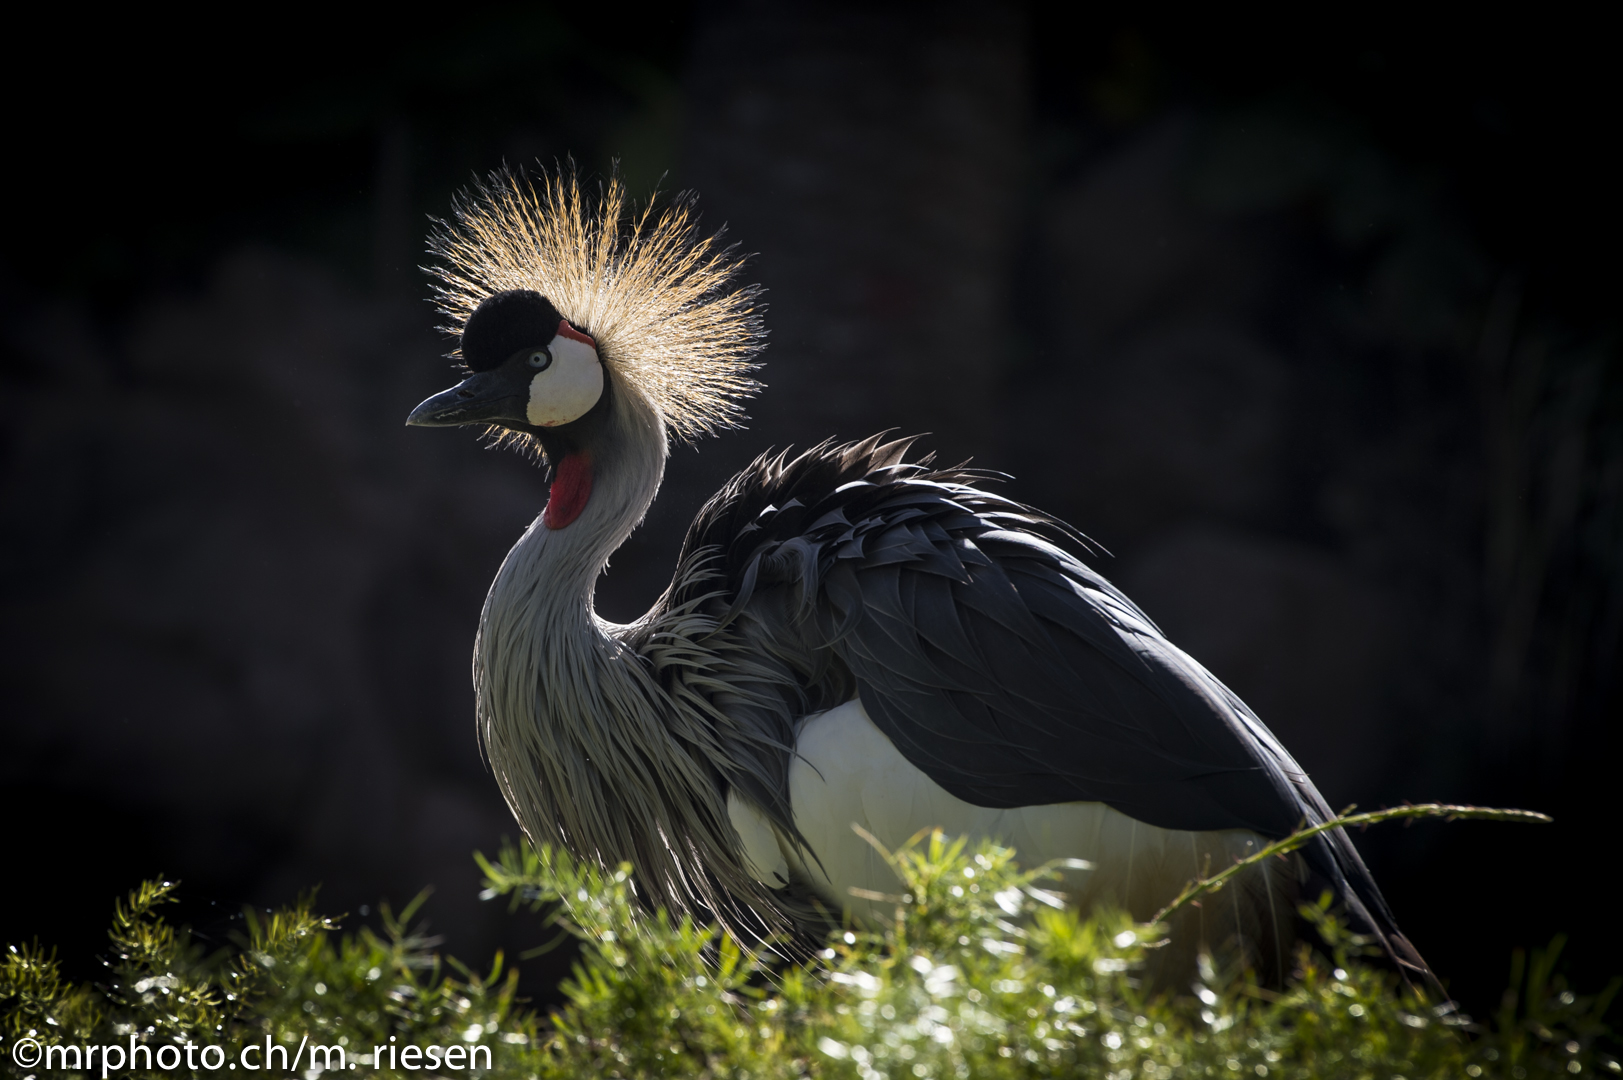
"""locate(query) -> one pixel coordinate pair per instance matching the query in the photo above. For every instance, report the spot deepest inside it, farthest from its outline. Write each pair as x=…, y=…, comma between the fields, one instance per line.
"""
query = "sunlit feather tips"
x=661, y=299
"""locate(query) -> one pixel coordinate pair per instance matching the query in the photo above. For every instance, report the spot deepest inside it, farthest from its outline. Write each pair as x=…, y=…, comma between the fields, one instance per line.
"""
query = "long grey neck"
x=628, y=464
x=592, y=750
x=561, y=702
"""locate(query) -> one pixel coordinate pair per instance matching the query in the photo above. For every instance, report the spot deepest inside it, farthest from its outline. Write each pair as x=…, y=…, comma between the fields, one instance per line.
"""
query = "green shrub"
x=983, y=974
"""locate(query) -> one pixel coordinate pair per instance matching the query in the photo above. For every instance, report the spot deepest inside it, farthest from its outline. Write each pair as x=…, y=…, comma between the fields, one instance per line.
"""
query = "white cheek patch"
x=569, y=387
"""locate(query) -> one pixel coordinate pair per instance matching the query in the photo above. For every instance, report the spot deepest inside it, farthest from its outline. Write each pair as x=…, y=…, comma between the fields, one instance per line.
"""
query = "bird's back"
x=989, y=660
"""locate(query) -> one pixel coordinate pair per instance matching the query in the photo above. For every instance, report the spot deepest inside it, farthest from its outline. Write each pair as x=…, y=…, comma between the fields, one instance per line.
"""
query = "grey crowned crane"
x=850, y=638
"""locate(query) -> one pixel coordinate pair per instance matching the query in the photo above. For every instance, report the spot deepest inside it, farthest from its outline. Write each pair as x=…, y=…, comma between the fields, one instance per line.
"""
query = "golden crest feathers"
x=660, y=299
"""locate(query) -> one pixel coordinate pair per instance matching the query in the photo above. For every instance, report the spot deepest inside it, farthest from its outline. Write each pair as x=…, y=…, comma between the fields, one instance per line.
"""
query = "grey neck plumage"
x=590, y=751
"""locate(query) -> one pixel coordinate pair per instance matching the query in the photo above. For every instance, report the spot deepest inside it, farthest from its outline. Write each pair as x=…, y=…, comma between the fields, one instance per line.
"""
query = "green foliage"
x=290, y=981
x=986, y=974
x=983, y=973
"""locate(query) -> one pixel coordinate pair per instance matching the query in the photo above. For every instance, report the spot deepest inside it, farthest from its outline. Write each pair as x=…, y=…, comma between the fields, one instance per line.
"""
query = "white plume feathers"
x=660, y=299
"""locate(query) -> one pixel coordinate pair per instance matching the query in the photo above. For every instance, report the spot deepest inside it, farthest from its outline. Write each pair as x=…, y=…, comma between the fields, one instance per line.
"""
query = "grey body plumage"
x=842, y=589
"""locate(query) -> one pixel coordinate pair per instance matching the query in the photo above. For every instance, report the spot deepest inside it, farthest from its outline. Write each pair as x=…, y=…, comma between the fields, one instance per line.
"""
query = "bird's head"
x=531, y=371
x=563, y=303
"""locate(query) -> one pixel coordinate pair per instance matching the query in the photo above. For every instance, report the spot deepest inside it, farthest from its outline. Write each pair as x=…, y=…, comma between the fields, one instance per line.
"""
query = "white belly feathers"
x=846, y=771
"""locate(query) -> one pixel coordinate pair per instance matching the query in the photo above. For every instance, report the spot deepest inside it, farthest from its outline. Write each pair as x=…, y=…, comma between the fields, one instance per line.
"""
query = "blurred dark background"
x=1312, y=325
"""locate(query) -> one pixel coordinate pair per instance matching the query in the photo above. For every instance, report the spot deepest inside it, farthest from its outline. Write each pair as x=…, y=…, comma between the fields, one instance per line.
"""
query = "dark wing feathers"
x=1005, y=668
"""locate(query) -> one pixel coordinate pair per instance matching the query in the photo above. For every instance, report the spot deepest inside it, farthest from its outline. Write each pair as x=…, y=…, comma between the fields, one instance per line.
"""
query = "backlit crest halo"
x=661, y=300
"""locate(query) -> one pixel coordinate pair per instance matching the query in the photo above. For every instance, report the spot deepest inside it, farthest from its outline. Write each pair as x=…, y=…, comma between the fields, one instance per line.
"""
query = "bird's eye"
x=539, y=360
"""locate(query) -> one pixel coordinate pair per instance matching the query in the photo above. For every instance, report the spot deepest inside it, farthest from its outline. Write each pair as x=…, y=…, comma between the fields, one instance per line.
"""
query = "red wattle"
x=571, y=487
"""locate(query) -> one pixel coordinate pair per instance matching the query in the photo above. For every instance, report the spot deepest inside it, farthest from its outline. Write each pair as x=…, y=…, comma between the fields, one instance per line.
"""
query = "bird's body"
x=850, y=639
x=846, y=771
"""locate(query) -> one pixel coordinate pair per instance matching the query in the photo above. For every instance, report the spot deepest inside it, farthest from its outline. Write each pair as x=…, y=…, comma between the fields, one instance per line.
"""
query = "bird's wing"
x=1001, y=665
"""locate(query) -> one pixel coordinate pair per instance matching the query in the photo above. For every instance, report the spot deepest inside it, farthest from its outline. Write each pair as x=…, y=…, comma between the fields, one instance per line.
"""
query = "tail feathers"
x=1335, y=857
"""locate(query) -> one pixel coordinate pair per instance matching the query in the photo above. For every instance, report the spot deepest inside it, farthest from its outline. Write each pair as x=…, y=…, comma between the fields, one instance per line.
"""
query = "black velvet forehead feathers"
x=504, y=323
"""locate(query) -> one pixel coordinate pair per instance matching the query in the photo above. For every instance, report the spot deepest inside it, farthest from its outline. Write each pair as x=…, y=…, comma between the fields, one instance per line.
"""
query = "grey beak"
x=484, y=397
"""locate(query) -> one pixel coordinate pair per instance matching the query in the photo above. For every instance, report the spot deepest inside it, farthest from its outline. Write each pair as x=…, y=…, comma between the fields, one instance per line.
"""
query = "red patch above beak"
x=567, y=331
